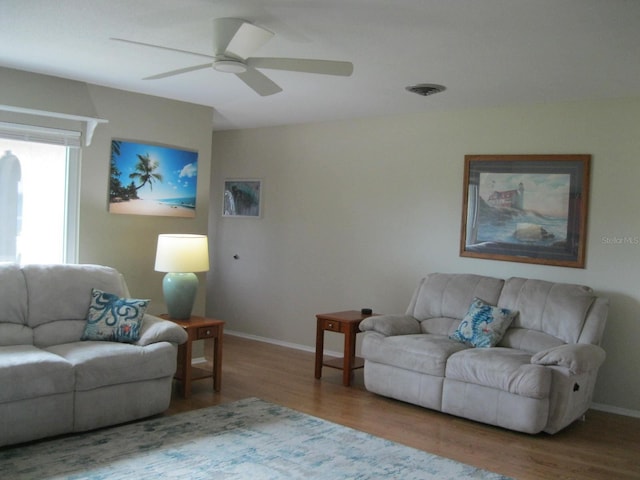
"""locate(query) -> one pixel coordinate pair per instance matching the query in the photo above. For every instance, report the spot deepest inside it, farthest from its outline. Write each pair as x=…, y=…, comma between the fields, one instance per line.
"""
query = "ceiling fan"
x=234, y=40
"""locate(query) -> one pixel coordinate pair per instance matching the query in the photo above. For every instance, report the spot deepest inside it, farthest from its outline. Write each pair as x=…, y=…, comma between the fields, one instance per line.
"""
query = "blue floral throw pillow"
x=483, y=325
x=113, y=318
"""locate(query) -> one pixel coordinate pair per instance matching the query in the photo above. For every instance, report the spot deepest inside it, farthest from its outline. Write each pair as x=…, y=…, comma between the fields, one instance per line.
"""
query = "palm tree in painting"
x=145, y=171
x=115, y=187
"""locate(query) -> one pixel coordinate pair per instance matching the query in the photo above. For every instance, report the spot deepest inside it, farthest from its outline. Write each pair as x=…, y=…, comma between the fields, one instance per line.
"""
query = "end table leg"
x=349, y=355
x=319, y=348
x=186, y=368
x=217, y=358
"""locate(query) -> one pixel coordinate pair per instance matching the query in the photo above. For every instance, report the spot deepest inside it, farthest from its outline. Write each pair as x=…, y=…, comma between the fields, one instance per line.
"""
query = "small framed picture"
x=242, y=198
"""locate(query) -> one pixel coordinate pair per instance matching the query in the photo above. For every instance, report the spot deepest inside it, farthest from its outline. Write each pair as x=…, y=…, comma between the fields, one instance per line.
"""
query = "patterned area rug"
x=249, y=439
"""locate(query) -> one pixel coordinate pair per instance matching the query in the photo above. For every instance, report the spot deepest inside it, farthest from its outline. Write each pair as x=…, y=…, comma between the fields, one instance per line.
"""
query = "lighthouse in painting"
x=507, y=198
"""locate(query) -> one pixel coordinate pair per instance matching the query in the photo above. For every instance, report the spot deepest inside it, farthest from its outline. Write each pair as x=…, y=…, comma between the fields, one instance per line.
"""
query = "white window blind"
x=34, y=133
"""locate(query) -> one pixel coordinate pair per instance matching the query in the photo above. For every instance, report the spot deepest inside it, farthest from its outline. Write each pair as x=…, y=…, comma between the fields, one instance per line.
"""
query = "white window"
x=39, y=184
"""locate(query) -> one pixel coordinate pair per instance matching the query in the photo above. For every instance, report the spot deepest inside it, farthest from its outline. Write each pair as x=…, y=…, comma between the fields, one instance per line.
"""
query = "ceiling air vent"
x=425, y=89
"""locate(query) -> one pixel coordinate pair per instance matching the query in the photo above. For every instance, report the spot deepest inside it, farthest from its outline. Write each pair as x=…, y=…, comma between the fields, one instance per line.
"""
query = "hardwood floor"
x=605, y=446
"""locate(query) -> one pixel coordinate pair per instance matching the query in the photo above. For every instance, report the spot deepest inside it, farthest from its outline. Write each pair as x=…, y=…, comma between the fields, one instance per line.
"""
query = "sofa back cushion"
x=13, y=307
x=549, y=309
x=59, y=298
x=441, y=300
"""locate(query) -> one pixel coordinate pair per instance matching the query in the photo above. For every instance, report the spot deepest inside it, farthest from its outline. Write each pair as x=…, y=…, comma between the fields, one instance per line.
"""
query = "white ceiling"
x=486, y=52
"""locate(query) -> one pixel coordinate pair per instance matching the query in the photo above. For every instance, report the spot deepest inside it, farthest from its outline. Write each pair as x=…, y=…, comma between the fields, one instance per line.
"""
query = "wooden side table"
x=198, y=328
x=341, y=322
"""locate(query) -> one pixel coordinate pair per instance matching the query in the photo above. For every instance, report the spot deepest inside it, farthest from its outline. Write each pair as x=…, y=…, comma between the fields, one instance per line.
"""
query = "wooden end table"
x=341, y=322
x=198, y=328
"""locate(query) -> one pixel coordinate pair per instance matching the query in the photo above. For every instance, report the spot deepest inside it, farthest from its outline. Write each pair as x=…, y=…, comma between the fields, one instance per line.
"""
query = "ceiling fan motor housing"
x=229, y=65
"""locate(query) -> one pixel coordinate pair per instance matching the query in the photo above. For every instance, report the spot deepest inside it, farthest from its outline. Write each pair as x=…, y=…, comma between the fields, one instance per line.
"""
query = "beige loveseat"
x=540, y=376
x=52, y=381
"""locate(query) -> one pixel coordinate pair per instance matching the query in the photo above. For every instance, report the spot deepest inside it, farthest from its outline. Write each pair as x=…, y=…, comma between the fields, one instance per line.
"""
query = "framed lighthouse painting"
x=526, y=208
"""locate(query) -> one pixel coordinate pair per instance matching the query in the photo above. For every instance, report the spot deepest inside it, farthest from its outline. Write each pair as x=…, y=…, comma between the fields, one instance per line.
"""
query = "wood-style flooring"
x=605, y=446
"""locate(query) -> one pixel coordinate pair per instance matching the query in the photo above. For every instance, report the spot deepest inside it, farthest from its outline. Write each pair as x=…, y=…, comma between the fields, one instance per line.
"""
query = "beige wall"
x=126, y=242
x=355, y=212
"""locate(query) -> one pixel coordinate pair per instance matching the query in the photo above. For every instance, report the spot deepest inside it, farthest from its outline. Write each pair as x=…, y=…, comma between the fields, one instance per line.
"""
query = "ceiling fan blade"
x=248, y=39
x=326, y=67
x=259, y=82
x=236, y=37
x=133, y=42
x=178, y=71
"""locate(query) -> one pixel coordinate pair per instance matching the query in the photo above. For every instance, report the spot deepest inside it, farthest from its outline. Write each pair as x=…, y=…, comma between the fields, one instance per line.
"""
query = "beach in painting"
x=151, y=207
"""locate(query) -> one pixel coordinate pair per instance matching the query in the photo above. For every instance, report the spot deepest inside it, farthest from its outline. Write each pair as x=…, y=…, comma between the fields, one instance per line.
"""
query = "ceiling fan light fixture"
x=229, y=66
x=425, y=89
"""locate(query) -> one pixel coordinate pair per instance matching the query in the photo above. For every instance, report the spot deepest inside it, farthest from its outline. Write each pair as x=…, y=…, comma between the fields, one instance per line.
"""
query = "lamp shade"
x=182, y=253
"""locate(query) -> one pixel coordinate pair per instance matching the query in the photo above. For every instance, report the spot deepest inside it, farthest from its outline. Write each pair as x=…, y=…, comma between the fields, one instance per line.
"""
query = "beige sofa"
x=51, y=381
x=540, y=376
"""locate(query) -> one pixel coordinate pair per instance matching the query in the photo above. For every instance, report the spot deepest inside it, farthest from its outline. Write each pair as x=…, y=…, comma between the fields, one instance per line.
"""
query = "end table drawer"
x=206, y=332
x=332, y=325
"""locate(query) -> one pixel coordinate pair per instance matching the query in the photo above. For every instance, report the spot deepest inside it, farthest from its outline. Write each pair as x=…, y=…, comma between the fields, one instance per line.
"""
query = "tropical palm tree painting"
x=148, y=179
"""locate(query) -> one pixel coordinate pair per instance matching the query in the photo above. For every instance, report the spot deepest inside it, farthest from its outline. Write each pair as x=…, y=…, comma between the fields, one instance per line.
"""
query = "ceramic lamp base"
x=179, y=291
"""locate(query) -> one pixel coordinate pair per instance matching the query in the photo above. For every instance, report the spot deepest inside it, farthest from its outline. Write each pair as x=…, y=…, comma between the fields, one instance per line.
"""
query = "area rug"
x=248, y=439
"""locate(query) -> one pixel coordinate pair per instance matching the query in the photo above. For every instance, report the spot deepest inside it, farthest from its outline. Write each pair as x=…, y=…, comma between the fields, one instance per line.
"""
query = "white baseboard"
x=273, y=341
x=595, y=406
x=617, y=410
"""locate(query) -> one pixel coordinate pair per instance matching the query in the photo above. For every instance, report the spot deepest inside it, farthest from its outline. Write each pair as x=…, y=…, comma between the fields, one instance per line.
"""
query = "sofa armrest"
x=391, y=325
x=155, y=329
x=577, y=357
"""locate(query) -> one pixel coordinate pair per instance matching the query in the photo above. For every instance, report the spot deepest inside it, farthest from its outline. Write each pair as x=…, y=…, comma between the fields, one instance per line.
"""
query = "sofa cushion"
x=60, y=331
x=114, y=318
x=504, y=369
x=14, y=334
x=558, y=309
x=13, y=296
x=440, y=325
x=98, y=364
x=423, y=353
x=449, y=295
x=63, y=292
x=531, y=341
x=27, y=371
x=483, y=325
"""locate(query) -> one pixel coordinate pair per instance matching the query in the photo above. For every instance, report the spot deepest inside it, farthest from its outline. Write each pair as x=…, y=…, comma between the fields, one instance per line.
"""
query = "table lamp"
x=180, y=255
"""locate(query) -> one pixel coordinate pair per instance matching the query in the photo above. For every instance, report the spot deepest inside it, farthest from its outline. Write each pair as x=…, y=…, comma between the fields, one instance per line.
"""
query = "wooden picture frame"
x=526, y=208
x=242, y=198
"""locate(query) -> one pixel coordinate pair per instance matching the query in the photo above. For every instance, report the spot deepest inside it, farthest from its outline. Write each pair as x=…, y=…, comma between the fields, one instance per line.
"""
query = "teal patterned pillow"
x=113, y=318
x=483, y=325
